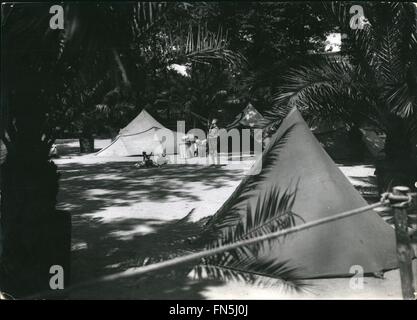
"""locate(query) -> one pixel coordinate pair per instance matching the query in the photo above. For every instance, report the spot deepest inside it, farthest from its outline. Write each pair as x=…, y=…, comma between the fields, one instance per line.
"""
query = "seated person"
x=146, y=162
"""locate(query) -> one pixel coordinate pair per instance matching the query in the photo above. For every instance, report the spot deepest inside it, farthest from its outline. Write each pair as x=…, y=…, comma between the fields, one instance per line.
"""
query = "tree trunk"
x=87, y=144
x=400, y=164
x=34, y=236
x=113, y=134
x=356, y=145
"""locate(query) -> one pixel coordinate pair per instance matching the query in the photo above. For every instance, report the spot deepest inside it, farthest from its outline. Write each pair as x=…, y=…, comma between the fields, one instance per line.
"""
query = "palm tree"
x=38, y=66
x=373, y=83
x=190, y=44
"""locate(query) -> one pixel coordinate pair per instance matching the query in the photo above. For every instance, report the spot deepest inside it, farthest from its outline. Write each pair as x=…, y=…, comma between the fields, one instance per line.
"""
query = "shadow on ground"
x=101, y=247
x=89, y=188
x=99, y=251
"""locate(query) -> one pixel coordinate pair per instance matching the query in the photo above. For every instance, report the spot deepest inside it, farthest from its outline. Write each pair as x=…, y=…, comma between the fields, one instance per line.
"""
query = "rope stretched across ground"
x=209, y=252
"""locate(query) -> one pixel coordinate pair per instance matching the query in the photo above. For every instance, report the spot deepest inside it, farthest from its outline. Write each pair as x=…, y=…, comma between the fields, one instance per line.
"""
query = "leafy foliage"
x=200, y=45
x=373, y=81
x=272, y=36
x=379, y=73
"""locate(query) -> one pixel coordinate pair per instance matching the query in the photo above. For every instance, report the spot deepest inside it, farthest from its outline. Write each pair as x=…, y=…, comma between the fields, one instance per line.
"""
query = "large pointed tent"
x=328, y=250
x=142, y=134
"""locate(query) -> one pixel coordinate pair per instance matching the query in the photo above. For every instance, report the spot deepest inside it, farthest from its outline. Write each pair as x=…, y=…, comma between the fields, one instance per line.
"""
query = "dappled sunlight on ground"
x=124, y=216
x=117, y=189
x=360, y=174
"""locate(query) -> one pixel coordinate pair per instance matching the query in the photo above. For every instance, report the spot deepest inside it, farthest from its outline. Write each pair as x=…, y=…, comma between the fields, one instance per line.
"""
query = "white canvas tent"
x=142, y=134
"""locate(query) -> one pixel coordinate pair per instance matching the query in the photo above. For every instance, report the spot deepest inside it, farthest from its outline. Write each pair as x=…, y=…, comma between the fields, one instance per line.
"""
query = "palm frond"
x=329, y=75
x=200, y=45
x=326, y=88
x=265, y=274
x=146, y=15
x=397, y=57
x=337, y=11
x=361, y=40
x=271, y=213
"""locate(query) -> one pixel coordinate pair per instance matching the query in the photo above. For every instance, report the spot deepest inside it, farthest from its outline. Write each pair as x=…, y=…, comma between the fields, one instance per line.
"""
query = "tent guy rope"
x=385, y=200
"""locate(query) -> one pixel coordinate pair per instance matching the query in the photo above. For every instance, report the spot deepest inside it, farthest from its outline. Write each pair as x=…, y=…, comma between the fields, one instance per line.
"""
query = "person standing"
x=212, y=141
x=160, y=152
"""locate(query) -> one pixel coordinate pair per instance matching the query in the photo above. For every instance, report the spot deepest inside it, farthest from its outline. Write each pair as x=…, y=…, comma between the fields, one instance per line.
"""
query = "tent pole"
x=404, y=248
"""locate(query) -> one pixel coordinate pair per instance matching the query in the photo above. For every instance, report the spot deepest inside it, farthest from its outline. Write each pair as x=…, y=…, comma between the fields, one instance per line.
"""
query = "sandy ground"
x=122, y=215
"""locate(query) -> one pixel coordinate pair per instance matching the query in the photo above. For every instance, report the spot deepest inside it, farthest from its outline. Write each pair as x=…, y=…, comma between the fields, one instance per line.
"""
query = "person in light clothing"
x=212, y=141
x=160, y=154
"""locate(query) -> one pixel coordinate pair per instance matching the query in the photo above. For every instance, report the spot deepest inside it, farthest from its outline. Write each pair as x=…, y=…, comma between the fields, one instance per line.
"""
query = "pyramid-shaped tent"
x=248, y=118
x=143, y=122
x=142, y=134
x=322, y=190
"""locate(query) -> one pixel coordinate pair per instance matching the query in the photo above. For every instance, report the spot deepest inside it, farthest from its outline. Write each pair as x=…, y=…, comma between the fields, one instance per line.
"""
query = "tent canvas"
x=142, y=134
x=328, y=250
x=248, y=118
x=143, y=122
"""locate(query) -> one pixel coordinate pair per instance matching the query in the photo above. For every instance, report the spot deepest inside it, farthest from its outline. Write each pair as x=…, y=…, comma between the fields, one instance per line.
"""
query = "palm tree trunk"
x=86, y=143
x=86, y=140
x=399, y=167
x=33, y=235
x=356, y=145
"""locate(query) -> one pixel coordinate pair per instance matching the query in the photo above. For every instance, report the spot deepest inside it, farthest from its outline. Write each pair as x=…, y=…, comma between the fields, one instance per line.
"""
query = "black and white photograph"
x=222, y=150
